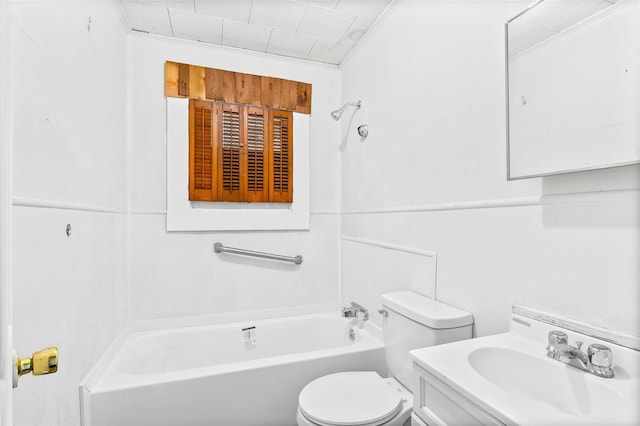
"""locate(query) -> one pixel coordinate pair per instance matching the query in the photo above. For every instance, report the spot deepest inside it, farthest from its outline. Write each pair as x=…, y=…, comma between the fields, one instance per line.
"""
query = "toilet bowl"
x=363, y=398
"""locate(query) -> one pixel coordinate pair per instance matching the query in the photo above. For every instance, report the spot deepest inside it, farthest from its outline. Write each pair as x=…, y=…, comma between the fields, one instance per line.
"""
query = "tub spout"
x=352, y=311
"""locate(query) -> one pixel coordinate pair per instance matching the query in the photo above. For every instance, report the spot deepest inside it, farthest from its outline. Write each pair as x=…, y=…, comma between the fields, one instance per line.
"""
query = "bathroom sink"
x=567, y=390
x=509, y=378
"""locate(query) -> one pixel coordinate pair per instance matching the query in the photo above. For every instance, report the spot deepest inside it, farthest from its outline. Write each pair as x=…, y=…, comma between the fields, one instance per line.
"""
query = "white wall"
x=432, y=175
x=68, y=106
x=177, y=274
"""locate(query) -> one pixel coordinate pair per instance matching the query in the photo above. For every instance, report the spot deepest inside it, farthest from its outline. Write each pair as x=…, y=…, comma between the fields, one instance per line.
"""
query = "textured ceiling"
x=314, y=30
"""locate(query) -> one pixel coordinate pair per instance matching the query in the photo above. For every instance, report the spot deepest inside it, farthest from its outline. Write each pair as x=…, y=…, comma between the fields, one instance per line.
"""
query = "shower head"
x=338, y=113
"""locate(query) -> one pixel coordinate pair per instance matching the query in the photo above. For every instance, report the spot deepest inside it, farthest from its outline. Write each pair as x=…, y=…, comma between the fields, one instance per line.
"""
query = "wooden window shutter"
x=240, y=153
x=281, y=156
x=230, y=158
x=257, y=155
x=202, y=156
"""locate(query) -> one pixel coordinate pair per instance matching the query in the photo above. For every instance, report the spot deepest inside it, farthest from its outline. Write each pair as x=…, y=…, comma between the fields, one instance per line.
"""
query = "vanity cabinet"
x=436, y=404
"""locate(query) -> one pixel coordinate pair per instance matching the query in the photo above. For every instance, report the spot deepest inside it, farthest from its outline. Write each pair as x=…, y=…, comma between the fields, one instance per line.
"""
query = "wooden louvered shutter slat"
x=281, y=156
x=241, y=154
x=257, y=158
x=230, y=158
x=202, y=155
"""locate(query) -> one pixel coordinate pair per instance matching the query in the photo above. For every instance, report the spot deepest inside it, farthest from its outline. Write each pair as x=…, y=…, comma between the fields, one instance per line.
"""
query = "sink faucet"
x=352, y=312
x=597, y=360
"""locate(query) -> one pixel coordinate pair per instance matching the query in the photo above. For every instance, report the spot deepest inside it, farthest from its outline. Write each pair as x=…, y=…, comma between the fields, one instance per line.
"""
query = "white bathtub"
x=214, y=375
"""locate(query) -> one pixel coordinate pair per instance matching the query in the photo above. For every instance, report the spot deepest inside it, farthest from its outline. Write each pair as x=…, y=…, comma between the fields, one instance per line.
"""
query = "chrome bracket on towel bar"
x=219, y=248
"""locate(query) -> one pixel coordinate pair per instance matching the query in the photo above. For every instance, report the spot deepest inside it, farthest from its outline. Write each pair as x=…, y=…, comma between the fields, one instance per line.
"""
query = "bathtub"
x=243, y=373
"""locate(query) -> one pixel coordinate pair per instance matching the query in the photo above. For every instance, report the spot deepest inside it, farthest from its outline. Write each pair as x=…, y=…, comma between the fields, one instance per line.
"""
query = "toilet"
x=363, y=398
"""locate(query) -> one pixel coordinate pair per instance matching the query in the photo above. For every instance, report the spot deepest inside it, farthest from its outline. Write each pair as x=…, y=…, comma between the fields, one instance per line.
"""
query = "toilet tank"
x=415, y=321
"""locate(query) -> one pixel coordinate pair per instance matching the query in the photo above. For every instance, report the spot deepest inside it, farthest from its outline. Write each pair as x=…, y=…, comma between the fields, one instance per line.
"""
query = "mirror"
x=573, y=87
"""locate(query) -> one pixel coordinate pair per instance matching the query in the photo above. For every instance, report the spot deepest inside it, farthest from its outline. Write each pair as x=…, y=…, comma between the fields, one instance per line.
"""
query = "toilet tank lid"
x=426, y=311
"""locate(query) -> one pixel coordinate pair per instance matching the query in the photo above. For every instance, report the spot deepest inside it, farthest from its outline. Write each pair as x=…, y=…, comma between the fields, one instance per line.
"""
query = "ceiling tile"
x=287, y=44
x=148, y=18
x=282, y=15
x=360, y=7
x=245, y=36
x=331, y=53
x=359, y=27
x=236, y=10
x=325, y=24
x=187, y=5
x=196, y=26
x=327, y=4
x=316, y=30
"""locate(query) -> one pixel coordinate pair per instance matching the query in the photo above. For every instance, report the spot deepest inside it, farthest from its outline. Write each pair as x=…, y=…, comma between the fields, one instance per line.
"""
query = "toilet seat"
x=361, y=398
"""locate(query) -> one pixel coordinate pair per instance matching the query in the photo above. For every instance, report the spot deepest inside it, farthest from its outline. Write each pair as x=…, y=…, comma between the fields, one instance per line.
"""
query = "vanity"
x=512, y=378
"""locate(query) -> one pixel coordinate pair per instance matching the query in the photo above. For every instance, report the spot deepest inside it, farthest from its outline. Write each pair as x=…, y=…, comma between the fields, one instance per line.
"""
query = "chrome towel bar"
x=219, y=248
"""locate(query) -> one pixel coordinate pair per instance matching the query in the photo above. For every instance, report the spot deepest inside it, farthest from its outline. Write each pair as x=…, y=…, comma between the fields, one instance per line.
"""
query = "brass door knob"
x=41, y=362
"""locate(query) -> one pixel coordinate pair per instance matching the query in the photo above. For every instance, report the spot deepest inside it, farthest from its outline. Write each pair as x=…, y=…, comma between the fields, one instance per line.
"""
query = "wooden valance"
x=196, y=82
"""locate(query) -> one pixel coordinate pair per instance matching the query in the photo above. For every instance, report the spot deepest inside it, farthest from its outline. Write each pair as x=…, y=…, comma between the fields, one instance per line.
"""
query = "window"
x=239, y=153
x=185, y=215
x=185, y=84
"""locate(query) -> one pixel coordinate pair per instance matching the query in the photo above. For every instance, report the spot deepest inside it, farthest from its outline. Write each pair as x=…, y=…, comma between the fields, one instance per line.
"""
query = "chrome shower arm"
x=338, y=113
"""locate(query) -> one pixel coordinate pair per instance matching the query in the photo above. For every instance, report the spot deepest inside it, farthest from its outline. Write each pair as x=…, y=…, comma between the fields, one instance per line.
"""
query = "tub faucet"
x=352, y=311
x=597, y=360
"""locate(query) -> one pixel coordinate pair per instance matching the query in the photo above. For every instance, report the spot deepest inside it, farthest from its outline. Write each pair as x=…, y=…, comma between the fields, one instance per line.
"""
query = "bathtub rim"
x=97, y=405
x=124, y=381
x=90, y=381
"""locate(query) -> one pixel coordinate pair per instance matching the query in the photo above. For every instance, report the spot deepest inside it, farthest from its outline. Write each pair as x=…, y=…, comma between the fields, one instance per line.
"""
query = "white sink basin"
x=567, y=390
x=510, y=377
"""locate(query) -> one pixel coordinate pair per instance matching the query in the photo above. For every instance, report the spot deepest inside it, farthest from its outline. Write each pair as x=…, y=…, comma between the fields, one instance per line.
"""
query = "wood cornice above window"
x=196, y=82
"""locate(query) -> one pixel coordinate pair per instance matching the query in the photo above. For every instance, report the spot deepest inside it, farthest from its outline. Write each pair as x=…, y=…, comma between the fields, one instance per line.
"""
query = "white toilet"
x=363, y=398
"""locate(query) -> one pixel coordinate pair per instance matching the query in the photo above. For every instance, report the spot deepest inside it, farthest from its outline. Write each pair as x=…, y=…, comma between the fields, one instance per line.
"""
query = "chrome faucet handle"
x=597, y=360
x=557, y=343
x=600, y=356
x=348, y=312
x=354, y=309
x=360, y=308
x=557, y=338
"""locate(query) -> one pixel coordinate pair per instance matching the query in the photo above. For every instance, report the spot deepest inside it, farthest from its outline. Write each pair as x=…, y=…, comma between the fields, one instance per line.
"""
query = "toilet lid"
x=351, y=398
